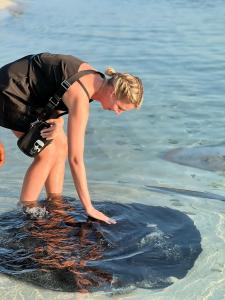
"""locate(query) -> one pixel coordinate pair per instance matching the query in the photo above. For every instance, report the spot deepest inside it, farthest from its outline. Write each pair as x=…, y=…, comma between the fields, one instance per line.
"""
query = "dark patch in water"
x=211, y=158
x=65, y=251
x=184, y=192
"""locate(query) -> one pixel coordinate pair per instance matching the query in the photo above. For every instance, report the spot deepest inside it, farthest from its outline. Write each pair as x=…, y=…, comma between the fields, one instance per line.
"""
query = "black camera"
x=32, y=143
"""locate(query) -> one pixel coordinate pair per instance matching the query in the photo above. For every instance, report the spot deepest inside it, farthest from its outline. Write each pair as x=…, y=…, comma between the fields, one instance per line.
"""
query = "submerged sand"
x=5, y=3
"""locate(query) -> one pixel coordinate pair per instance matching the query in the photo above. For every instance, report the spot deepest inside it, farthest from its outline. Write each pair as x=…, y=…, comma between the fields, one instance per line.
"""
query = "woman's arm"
x=77, y=121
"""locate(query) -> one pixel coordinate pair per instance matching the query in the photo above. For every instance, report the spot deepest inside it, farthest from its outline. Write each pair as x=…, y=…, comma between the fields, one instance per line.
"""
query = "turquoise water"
x=177, y=48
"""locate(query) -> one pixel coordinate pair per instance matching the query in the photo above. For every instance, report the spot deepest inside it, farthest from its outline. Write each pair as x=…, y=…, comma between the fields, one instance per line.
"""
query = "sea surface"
x=178, y=50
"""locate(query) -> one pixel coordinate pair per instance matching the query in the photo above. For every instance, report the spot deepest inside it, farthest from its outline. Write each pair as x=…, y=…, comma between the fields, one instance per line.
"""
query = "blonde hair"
x=126, y=86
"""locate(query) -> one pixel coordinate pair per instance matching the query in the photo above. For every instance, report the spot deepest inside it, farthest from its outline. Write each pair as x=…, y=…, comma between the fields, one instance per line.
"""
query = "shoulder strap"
x=57, y=97
x=68, y=82
x=84, y=88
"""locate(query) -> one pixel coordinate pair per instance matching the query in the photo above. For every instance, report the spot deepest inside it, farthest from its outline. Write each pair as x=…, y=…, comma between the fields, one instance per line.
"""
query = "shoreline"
x=5, y=4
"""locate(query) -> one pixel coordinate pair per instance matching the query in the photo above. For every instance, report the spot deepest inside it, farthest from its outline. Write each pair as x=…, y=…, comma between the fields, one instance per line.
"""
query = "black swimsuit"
x=27, y=84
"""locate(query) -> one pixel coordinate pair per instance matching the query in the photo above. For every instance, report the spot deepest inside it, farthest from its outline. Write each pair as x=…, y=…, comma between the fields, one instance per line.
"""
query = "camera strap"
x=57, y=97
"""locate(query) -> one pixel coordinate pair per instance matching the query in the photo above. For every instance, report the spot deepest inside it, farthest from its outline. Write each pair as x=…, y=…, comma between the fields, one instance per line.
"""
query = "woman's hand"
x=55, y=128
x=2, y=155
x=94, y=213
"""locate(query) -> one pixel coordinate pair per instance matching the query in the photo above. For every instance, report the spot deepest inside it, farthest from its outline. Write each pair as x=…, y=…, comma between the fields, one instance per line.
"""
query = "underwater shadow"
x=55, y=246
x=211, y=158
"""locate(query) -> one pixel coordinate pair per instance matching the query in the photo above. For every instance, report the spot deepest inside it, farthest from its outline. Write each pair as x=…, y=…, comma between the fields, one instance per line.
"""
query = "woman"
x=25, y=87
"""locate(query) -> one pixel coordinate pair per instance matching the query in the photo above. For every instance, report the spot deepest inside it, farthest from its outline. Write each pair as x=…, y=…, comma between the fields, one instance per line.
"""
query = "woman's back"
x=35, y=78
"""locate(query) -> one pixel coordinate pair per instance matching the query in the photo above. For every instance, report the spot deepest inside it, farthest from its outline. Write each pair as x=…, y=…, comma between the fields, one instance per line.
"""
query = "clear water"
x=177, y=48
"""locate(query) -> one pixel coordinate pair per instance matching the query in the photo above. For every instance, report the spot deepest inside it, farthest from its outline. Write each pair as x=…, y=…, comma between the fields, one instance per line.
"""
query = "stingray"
x=210, y=158
x=56, y=246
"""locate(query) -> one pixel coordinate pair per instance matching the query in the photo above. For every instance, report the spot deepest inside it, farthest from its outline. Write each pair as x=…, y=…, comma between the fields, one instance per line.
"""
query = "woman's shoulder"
x=88, y=84
x=86, y=66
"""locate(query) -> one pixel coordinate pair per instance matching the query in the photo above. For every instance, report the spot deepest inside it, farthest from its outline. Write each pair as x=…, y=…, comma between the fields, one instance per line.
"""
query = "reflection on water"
x=57, y=247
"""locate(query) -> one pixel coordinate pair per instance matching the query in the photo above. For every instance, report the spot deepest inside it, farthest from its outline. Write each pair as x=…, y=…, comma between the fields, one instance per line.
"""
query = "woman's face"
x=121, y=106
x=118, y=106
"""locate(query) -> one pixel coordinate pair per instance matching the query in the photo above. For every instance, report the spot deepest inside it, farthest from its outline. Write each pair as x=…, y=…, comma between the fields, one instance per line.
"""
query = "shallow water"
x=54, y=245
x=177, y=48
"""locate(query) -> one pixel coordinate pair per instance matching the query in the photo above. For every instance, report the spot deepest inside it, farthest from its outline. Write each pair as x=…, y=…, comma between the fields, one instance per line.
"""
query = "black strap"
x=57, y=97
x=84, y=88
x=68, y=82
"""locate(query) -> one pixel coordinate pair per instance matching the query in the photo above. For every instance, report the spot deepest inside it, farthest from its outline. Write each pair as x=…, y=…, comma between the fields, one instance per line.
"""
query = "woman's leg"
x=46, y=168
